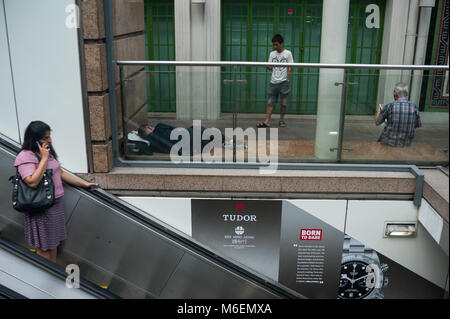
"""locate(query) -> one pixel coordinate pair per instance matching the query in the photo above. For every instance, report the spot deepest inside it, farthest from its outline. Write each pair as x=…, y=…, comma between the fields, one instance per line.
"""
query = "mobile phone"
x=38, y=142
x=95, y=186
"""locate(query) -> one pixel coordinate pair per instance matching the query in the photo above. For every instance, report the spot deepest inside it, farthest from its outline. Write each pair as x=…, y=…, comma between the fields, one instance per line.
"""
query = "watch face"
x=356, y=281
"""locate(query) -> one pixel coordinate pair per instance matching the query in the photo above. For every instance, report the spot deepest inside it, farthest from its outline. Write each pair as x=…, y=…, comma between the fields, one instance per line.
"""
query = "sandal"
x=262, y=124
x=282, y=124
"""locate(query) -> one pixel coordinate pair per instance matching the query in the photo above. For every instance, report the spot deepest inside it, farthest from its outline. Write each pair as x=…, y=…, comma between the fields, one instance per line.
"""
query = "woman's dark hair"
x=34, y=132
x=277, y=38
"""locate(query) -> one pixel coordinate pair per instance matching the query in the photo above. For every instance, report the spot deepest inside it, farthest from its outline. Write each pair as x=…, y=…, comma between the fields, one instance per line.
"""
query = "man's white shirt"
x=280, y=74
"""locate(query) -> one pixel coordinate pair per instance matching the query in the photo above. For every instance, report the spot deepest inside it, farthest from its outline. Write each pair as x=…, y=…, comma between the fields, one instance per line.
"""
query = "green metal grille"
x=247, y=30
x=160, y=35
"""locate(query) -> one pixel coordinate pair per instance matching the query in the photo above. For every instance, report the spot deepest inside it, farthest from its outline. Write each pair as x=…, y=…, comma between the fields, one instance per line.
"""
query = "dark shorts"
x=281, y=89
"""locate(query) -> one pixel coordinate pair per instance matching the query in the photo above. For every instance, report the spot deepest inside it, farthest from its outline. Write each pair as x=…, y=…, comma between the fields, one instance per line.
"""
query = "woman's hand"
x=88, y=185
x=44, y=150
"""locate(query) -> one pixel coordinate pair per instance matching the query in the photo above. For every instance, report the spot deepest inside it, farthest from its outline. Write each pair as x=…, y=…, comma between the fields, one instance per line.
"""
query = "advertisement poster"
x=303, y=252
x=247, y=231
x=367, y=274
x=310, y=254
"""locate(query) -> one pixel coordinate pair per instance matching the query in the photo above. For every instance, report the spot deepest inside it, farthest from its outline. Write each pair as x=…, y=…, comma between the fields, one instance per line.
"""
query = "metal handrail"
x=293, y=65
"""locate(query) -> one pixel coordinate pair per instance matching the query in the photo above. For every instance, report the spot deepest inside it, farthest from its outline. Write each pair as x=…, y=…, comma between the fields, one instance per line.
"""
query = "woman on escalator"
x=44, y=230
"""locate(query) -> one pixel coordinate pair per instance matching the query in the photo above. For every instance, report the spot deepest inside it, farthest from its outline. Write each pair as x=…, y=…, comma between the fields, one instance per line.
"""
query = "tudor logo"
x=239, y=218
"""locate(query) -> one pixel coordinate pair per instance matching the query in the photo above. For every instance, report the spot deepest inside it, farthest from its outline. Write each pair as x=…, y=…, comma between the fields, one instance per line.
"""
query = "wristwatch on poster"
x=362, y=275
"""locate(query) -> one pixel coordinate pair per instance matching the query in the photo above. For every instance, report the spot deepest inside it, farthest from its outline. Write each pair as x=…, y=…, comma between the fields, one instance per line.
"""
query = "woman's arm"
x=34, y=179
x=69, y=179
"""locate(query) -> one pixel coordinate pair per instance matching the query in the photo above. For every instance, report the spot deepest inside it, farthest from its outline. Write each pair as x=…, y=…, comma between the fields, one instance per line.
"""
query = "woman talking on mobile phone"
x=47, y=229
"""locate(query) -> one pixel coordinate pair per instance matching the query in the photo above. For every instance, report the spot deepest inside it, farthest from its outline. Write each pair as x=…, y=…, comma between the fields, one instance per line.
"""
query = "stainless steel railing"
x=236, y=64
x=293, y=65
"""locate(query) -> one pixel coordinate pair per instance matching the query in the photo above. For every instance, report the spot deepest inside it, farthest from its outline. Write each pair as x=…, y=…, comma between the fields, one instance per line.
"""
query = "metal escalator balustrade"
x=26, y=275
x=117, y=247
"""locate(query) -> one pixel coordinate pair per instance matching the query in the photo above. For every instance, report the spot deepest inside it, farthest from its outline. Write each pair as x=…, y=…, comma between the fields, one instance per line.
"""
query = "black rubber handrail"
x=110, y=200
x=7, y=293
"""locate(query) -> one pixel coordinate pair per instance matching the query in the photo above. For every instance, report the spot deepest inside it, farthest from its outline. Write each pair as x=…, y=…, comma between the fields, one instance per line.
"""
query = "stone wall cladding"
x=129, y=44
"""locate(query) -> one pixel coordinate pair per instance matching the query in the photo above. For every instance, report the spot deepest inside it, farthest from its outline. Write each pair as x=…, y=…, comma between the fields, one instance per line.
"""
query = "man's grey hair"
x=401, y=89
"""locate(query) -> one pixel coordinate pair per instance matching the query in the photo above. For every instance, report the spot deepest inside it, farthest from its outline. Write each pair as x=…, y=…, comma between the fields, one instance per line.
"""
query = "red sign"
x=310, y=234
x=239, y=208
x=290, y=11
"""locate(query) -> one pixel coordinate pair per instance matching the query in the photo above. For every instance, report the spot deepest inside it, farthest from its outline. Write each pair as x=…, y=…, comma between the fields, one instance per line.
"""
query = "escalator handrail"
x=7, y=293
x=53, y=268
x=110, y=199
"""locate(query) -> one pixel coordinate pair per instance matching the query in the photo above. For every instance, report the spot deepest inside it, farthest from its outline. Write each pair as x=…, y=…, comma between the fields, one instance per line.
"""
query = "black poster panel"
x=310, y=254
x=247, y=231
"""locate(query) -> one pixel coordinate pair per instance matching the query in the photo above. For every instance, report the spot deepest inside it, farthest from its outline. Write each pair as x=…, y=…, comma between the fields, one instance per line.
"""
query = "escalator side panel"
x=125, y=249
x=192, y=279
x=71, y=198
x=11, y=221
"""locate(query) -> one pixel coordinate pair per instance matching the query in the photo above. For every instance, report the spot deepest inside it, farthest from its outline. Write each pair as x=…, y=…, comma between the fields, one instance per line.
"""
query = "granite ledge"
x=242, y=180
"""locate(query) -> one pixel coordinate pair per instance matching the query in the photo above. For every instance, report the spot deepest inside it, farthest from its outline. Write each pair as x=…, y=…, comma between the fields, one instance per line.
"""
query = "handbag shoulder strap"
x=48, y=171
x=38, y=157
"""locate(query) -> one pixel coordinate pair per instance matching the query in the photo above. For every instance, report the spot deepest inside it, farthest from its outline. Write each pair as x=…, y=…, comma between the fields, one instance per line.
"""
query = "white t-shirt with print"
x=280, y=74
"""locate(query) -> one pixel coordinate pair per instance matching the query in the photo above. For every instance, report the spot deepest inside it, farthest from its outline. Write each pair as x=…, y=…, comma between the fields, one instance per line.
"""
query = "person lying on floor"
x=159, y=137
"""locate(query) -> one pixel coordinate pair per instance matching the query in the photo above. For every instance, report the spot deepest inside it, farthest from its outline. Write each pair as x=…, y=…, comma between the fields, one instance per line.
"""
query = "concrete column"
x=410, y=42
x=426, y=6
x=393, y=47
x=332, y=50
x=213, y=25
x=197, y=38
x=183, y=53
x=198, y=53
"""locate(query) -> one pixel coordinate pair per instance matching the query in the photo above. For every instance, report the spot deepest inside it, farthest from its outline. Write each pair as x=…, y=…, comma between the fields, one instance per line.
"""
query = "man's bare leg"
x=268, y=114
x=282, y=112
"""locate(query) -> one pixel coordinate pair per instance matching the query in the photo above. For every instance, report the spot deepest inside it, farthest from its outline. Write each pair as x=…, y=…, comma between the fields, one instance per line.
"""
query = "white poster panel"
x=8, y=118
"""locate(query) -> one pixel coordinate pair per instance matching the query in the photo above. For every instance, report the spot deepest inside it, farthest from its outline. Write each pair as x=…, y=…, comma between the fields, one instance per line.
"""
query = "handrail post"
x=342, y=115
x=123, y=102
x=234, y=110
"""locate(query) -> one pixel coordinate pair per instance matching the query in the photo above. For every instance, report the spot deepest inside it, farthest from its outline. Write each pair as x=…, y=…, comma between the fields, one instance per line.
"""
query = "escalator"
x=123, y=253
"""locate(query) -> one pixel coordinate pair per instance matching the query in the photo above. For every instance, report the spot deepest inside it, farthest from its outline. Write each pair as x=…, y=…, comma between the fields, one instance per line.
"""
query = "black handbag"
x=26, y=199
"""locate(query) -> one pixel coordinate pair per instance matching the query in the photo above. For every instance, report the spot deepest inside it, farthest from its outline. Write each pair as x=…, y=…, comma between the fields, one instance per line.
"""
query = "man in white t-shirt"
x=279, y=82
